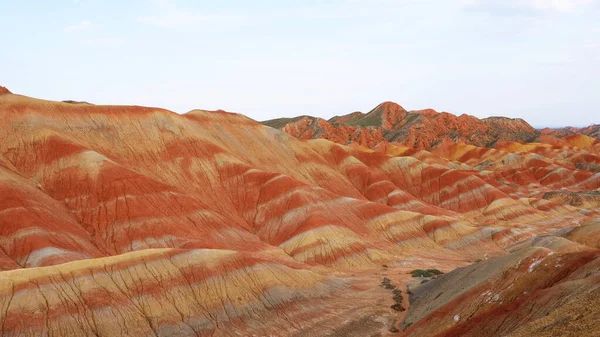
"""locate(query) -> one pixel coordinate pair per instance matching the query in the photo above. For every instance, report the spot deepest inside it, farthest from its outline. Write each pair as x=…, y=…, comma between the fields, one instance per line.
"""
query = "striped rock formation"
x=136, y=221
x=591, y=131
x=548, y=286
x=419, y=129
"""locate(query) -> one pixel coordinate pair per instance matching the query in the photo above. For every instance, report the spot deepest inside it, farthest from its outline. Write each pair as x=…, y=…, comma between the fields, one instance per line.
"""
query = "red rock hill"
x=421, y=129
x=592, y=131
x=137, y=221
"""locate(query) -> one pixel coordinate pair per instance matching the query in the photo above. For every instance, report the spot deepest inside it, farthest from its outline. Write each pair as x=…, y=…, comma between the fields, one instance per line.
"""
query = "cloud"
x=171, y=17
x=560, y=6
x=557, y=5
x=83, y=25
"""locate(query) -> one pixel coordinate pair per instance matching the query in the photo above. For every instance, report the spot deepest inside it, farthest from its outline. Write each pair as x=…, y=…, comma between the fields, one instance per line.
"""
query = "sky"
x=534, y=59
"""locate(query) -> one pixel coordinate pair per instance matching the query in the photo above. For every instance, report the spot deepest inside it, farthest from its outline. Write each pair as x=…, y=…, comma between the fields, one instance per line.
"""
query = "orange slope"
x=134, y=220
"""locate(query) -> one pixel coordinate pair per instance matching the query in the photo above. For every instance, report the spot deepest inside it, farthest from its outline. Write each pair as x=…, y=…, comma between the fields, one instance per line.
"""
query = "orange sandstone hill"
x=420, y=129
x=137, y=221
x=592, y=131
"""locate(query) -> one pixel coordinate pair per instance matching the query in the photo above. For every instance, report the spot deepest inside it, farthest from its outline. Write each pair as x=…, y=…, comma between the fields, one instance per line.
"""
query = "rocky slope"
x=420, y=129
x=135, y=221
x=591, y=131
x=548, y=286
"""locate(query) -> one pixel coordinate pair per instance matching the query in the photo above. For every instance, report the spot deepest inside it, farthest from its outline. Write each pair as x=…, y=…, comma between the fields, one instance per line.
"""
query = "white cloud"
x=83, y=25
x=557, y=5
x=170, y=17
x=562, y=6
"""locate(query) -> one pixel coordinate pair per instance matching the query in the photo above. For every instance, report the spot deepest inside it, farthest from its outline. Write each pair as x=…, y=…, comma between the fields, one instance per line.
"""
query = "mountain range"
x=137, y=221
x=419, y=129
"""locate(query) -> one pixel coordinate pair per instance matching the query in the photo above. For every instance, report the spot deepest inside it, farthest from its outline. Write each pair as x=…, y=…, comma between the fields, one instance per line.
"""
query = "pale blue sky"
x=536, y=59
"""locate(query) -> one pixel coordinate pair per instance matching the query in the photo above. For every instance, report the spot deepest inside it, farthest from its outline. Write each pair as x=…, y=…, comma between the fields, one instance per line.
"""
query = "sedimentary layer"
x=135, y=221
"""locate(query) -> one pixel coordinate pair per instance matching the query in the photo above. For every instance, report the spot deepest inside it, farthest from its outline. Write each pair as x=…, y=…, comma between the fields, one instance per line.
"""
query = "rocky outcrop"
x=549, y=286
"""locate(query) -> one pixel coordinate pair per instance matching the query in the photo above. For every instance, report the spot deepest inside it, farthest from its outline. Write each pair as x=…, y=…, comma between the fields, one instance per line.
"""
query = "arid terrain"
x=137, y=221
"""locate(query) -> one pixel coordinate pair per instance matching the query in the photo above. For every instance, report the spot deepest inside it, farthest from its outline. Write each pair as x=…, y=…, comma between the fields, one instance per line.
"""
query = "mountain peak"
x=4, y=90
x=390, y=106
x=384, y=115
x=420, y=129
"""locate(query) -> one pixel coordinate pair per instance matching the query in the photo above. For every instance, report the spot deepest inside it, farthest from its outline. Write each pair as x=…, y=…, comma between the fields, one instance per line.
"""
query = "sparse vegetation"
x=398, y=307
x=398, y=299
x=281, y=122
x=425, y=272
x=386, y=283
x=397, y=295
x=373, y=119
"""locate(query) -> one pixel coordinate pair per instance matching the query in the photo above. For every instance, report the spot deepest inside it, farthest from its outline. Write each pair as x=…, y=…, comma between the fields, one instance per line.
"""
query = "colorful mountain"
x=590, y=131
x=136, y=221
x=420, y=129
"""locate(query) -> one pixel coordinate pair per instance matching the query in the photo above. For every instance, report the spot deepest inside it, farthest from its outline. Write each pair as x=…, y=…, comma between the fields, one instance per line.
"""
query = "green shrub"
x=420, y=273
x=425, y=273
